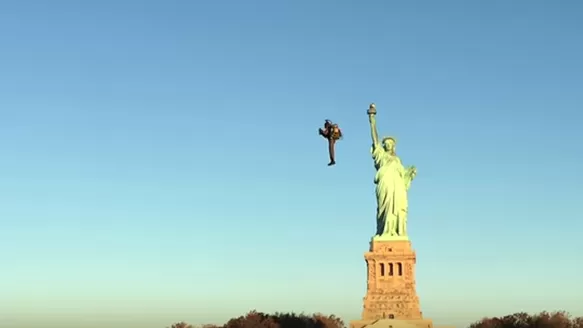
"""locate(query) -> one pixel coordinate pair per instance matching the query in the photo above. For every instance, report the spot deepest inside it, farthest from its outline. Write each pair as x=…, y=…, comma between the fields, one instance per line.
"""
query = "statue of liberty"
x=392, y=183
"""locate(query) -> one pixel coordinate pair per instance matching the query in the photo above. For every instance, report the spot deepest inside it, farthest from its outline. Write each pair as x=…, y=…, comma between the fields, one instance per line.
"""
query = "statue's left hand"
x=412, y=171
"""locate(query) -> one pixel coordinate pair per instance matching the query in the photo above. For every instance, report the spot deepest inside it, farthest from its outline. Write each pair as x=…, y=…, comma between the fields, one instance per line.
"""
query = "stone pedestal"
x=391, y=292
x=391, y=299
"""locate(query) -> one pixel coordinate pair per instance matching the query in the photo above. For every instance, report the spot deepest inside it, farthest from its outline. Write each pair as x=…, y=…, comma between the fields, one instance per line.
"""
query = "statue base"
x=391, y=291
x=392, y=323
x=395, y=323
x=391, y=299
x=390, y=238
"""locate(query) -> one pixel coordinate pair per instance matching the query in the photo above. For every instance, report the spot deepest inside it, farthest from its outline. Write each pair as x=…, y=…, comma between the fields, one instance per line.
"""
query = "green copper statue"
x=392, y=183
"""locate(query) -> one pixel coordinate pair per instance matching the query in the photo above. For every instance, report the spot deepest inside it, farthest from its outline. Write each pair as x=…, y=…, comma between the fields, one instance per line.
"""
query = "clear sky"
x=160, y=159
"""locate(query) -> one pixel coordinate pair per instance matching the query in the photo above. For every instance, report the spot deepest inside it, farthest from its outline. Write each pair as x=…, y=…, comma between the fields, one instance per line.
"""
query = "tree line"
x=254, y=319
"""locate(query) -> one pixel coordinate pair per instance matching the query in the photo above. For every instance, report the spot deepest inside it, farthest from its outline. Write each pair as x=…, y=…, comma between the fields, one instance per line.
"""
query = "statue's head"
x=390, y=145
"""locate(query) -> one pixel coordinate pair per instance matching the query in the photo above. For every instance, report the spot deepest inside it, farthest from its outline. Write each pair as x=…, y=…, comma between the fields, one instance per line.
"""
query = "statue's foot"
x=332, y=163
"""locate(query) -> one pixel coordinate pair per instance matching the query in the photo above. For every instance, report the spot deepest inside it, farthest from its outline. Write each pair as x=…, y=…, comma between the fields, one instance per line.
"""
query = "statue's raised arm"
x=372, y=111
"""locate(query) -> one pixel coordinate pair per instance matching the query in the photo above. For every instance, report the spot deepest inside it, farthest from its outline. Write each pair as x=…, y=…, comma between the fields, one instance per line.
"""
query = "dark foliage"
x=181, y=325
x=256, y=319
x=318, y=320
x=558, y=319
x=253, y=319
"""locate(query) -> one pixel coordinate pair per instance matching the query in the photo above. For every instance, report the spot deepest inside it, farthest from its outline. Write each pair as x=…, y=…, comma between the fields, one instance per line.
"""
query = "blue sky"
x=160, y=161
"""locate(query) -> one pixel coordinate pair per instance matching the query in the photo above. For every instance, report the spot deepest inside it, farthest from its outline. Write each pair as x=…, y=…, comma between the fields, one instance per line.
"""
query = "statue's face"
x=389, y=145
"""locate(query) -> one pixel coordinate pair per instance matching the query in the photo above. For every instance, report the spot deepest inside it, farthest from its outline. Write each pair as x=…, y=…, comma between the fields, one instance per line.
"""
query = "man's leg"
x=331, y=143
